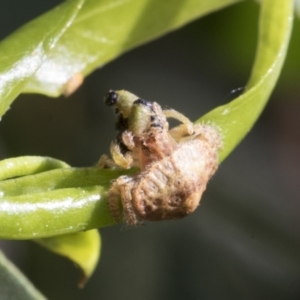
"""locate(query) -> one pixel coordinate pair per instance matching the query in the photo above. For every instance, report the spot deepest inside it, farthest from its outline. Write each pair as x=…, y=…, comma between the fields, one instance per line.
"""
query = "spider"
x=175, y=165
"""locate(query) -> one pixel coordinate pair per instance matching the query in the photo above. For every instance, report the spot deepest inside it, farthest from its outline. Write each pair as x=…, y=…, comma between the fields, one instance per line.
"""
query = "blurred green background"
x=243, y=242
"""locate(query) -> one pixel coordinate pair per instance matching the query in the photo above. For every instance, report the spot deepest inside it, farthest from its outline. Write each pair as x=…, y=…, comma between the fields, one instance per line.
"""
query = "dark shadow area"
x=15, y=13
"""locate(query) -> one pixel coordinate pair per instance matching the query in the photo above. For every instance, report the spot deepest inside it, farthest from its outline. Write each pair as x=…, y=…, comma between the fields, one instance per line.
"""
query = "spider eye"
x=111, y=98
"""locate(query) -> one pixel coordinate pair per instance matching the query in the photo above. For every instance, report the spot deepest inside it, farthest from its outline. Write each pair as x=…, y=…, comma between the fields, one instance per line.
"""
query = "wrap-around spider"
x=175, y=165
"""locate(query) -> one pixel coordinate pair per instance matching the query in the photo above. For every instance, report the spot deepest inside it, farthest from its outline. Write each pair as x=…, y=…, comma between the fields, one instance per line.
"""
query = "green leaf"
x=14, y=285
x=236, y=118
x=83, y=248
x=80, y=35
x=28, y=165
x=23, y=52
x=56, y=202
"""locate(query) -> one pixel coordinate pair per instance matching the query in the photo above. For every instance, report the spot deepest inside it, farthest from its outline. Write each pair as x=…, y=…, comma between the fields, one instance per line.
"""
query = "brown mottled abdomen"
x=171, y=188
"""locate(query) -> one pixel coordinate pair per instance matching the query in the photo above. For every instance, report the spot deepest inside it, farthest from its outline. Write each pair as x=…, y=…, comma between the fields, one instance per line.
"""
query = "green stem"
x=236, y=118
x=28, y=165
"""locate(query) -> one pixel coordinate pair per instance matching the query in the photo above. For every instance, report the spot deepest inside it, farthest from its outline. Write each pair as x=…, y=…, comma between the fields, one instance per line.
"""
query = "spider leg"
x=120, y=192
x=122, y=160
x=187, y=127
x=128, y=211
x=114, y=200
x=105, y=162
x=127, y=138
